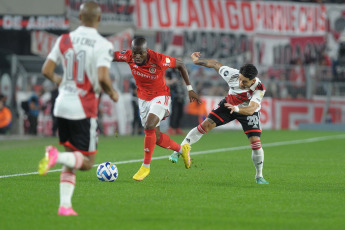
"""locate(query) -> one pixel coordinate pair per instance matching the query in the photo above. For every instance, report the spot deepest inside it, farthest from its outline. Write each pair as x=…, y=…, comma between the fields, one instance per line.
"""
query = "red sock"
x=149, y=144
x=165, y=142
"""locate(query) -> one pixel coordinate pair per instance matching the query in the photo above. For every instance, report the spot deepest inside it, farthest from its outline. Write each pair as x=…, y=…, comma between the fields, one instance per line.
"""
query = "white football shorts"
x=158, y=106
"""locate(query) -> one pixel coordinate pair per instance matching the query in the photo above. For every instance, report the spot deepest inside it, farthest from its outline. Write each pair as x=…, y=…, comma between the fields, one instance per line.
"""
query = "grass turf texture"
x=306, y=189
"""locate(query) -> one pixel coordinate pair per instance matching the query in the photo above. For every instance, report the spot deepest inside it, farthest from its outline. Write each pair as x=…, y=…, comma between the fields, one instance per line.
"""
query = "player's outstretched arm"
x=248, y=110
x=48, y=71
x=205, y=62
x=193, y=96
x=105, y=82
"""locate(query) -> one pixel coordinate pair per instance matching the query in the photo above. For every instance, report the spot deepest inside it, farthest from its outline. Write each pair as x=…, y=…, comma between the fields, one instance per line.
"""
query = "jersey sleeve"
x=122, y=56
x=104, y=55
x=228, y=73
x=166, y=61
x=257, y=96
x=55, y=53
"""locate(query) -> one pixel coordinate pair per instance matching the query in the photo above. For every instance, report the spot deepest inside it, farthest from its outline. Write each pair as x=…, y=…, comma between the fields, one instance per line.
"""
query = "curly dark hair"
x=249, y=71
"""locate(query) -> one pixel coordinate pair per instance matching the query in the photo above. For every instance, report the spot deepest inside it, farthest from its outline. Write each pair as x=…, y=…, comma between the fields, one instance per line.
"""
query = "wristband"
x=189, y=87
x=236, y=109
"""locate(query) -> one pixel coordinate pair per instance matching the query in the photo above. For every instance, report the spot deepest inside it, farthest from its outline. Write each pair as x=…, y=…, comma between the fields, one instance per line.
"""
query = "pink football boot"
x=67, y=212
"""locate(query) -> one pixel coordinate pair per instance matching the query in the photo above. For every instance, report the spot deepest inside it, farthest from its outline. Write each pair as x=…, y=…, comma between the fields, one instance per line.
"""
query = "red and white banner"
x=122, y=40
x=336, y=18
x=42, y=42
x=289, y=113
x=269, y=50
x=113, y=11
x=19, y=22
x=232, y=16
x=211, y=44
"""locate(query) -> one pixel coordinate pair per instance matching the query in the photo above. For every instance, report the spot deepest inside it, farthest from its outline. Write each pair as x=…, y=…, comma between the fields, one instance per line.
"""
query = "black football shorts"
x=79, y=135
x=250, y=124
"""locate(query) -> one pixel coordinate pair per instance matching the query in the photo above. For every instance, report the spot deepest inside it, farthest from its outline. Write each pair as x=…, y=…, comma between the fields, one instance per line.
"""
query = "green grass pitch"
x=305, y=170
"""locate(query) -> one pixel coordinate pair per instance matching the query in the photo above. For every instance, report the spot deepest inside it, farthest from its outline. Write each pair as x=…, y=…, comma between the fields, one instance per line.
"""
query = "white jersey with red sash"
x=80, y=52
x=238, y=96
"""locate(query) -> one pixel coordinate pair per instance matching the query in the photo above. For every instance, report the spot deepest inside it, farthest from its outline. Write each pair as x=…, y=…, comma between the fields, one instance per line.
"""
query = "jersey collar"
x=252, y=88
x=87, y=29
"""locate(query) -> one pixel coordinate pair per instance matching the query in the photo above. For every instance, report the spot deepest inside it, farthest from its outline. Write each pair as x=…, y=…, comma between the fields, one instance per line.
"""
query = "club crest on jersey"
x=152, y=70
x=167, y=60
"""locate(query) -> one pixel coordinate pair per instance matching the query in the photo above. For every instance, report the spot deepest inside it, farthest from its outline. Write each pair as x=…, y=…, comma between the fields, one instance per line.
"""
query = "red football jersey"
x=149, y=77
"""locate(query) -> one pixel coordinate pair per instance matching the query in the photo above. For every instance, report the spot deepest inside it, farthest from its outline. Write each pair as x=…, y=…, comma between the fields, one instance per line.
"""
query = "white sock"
x=146, y=165
x=193, y=136
x=66, y=193
x=67, y=184
x=258, y=160
x=70, y=159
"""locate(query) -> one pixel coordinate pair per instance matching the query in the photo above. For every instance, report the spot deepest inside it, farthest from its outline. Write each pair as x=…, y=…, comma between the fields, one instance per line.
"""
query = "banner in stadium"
x=210, y=44
x=113, y=11
x=19, y=22
x=336, y=18
x=279, y=18
x=288, y=114
x=42, y=42
x=122, y=40
x=280, y=50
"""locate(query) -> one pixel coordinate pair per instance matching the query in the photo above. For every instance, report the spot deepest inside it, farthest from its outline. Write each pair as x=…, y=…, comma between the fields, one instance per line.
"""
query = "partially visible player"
x=242, y=103
x=86, y=57
x=148, y=68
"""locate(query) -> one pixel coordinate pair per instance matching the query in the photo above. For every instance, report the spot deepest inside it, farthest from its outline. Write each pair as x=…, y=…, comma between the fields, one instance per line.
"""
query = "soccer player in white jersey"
x=86, y=57
x=242, y=103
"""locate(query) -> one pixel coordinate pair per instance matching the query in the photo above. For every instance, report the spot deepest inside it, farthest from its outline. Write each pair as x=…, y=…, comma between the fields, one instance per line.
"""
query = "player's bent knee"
x=208, y=124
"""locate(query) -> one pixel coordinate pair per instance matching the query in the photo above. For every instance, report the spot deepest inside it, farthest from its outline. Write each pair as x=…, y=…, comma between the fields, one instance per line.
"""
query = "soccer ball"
x=107, y=172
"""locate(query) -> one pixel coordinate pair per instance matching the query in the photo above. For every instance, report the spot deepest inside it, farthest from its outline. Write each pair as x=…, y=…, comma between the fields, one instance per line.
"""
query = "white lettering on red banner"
x=18, y=22
x=232, y=16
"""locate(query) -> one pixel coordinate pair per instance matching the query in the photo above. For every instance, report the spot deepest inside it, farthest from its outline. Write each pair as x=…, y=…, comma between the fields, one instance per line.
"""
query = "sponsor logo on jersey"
x=164, y=64
x=136, y=72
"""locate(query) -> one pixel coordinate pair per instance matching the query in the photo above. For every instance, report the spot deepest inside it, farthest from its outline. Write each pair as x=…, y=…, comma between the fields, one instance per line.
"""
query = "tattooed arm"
x=205, y=62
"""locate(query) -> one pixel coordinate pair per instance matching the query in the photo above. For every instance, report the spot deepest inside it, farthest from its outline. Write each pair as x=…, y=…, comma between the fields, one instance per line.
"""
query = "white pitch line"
x=303, y=141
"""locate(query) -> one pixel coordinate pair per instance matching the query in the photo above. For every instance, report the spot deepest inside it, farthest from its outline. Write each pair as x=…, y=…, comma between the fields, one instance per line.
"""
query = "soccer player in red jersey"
x=242, y=103
x=148, y=69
